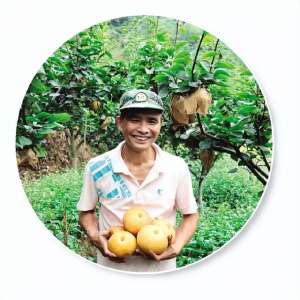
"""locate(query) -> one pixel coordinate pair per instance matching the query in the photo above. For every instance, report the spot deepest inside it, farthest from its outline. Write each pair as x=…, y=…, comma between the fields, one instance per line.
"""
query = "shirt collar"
x=119, y=165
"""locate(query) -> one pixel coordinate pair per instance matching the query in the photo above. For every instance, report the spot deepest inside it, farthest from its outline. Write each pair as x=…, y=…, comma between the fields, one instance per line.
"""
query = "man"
x=137, y=173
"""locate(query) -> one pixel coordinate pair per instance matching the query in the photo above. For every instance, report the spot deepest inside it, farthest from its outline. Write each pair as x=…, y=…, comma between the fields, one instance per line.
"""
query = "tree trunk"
x=73, y=150
x=66, y=229
x=200, y=191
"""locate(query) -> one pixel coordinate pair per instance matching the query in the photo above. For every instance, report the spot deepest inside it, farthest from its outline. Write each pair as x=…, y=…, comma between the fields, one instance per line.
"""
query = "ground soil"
x=57, y=159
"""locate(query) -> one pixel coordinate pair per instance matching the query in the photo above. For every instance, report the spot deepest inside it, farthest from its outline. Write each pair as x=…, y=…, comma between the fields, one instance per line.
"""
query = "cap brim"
x=142, y=105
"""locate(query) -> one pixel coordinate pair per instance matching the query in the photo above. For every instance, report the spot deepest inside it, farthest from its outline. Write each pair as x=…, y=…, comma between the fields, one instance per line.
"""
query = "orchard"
x=216, y=119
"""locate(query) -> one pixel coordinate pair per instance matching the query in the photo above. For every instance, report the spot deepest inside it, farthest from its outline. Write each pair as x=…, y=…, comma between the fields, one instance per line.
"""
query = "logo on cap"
x=140, y=97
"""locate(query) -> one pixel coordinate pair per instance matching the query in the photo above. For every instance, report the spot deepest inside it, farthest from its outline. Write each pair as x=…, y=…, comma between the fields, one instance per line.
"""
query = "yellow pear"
x=135, y=218
x=167, y=227
x=152, y=238
x=115, y=228
x=122, y=243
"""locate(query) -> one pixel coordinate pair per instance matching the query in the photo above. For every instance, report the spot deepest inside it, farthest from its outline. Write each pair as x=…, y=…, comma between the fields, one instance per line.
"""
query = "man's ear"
x=118, y=123
x=161, y=121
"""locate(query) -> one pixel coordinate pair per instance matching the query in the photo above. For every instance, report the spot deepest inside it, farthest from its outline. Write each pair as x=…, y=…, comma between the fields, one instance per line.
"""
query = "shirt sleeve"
x=89, y=196
x=185, y=200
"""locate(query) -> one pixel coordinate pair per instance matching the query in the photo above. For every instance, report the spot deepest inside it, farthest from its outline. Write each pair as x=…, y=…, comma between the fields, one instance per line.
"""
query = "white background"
x=263, y=263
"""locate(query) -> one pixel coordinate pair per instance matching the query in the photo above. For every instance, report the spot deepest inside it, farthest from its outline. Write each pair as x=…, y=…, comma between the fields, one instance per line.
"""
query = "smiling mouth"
x=141, y=138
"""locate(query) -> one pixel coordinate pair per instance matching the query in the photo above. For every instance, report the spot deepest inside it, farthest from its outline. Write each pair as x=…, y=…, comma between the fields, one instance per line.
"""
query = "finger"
x=105, y=233
x=139, y=252
x=117, y=259
x=145, y=255
x=169, y=240
x=102, y=252
x=155, y=256
x=109, y=253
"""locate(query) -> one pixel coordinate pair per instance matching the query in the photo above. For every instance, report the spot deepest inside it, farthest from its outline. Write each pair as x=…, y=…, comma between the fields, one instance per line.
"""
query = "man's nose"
x=143, y=128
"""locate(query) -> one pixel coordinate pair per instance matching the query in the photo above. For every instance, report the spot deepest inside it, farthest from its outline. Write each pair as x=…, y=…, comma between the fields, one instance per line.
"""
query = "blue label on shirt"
x=119, y=185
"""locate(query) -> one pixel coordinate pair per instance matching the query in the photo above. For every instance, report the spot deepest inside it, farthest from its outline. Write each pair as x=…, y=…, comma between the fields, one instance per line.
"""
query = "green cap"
x=138, y=98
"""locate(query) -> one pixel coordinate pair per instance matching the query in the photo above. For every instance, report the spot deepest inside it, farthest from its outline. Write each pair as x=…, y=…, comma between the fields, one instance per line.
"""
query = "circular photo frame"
x=144, y=144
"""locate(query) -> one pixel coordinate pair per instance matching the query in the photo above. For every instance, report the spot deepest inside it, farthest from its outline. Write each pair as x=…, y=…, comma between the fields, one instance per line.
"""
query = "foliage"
x=217, y=227
x=233, y=187
x=169, y=57
x=219, y=222
x=78, y=90
x=37, y=126
x=52, y=196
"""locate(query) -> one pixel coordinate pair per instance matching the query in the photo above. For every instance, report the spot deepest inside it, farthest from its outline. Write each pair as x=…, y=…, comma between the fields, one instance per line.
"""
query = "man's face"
x=140, y=129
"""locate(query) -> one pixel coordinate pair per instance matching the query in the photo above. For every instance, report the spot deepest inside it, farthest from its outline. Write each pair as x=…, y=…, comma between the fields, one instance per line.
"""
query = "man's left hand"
x=172, y=251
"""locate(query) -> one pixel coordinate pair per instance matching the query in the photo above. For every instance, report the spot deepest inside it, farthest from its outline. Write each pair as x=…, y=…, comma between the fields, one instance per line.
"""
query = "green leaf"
x=161, y=37
x=208, y=54
x=174, y=69
x=194, y=37
x=22, y=141
x=224, y=65
x=248, y=96
x=237, y=127
x=149, y=71
x=246, y=73
x=183, y=75
x=193, y=84
x=220, y=102
x=163, y=92
x=170, y=51
x=43, y=115
x=265, y=149
x=180, y=44
x=183, y=54
x=37, y=86
x=221, y=73
x=173, y=85
x=40, y=133
x=205, y=66
x=182, y=60
x=234, y=170
x=183, y=89
x=208, y=77
x=231, y=119
x=60, y=117
x=221, y=83
x=161, y=78
x=40, y=151
x=247, y=109
x=108, y=54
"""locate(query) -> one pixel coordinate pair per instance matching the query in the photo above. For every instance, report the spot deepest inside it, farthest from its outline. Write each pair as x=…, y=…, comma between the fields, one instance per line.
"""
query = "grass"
x=230, y=197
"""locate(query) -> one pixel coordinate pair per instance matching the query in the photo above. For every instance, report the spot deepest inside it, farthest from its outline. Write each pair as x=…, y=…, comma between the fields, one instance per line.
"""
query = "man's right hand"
x=100, y=240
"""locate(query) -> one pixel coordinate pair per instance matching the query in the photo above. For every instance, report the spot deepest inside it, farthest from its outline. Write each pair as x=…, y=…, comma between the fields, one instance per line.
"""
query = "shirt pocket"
x=159, y=197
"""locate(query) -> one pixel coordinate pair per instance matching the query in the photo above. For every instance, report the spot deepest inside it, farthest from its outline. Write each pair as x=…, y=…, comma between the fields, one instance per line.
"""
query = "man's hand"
x=183, y=234
x=89, y=222
x=172, y=251
x=100, y=241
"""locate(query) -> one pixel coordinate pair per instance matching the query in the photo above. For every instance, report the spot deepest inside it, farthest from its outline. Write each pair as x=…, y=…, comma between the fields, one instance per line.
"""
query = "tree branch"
x=200, y=124
x=257, y=126
x=197, y=52
x=79, y=144
x=176, y=34
x=156, y=27
x=254, y=169
x=213, y=60
x=265, y=159
x=234, y=150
